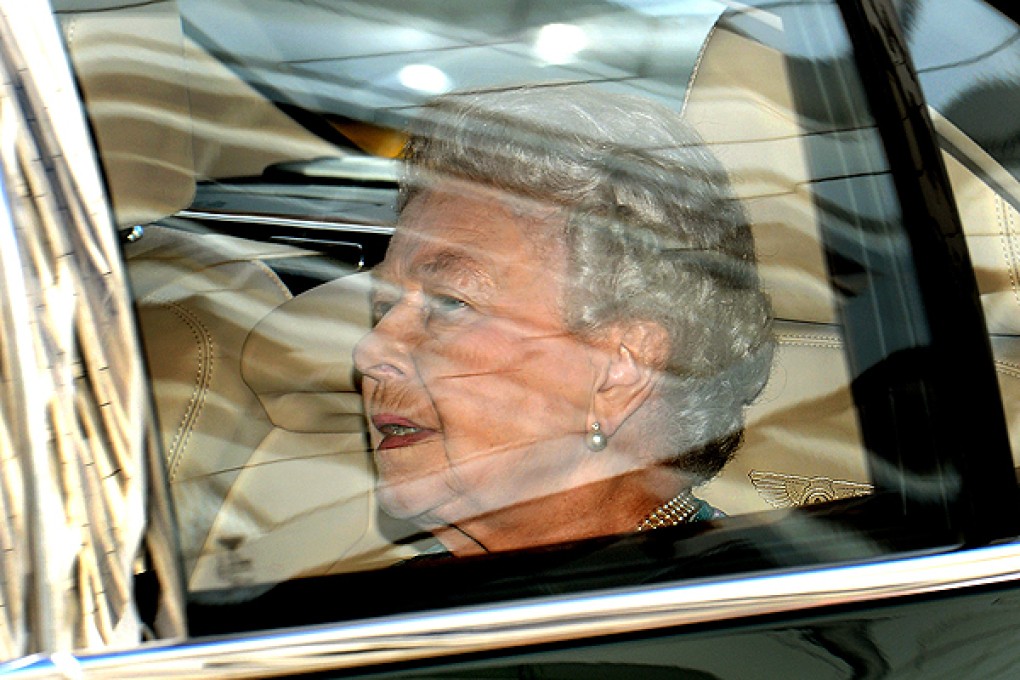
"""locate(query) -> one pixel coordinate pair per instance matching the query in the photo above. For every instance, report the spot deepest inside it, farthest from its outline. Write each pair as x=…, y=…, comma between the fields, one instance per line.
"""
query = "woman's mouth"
x=398, y=432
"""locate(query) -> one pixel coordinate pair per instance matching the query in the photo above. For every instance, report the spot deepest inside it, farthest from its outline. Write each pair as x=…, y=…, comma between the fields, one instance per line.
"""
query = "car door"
x=871, y=510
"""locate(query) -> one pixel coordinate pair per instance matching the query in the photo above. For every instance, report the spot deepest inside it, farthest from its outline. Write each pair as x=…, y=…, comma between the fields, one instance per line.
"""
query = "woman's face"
x=477, y=394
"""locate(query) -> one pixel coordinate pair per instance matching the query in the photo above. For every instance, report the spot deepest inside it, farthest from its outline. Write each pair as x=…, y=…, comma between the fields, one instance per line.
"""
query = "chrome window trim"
x=534, y=622
x=272, y=220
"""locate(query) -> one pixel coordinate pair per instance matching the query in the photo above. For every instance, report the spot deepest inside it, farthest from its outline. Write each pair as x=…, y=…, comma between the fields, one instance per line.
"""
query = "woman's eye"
x=380, y=308
x=446, y=304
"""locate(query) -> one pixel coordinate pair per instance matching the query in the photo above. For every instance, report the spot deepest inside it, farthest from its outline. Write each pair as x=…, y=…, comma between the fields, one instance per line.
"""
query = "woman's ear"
x=635, y=354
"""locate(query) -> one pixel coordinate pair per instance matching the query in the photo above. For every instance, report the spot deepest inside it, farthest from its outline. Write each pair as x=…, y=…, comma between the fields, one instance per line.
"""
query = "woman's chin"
x=406, y=500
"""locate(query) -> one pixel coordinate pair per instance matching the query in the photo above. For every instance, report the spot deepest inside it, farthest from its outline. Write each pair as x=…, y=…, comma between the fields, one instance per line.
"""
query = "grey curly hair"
x=652, y=232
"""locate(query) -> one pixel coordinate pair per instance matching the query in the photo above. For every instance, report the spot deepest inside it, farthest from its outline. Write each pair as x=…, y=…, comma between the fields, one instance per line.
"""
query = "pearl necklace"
x=680, y=509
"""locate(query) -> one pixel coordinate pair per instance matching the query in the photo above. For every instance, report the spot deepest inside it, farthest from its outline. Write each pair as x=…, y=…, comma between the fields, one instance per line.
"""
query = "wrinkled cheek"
x=412, y=480
x=480, y=410
x=367, y=393
x=489, y=365
x=504, y=467
x=496, y=402
x=506, y=404
x=368, y=390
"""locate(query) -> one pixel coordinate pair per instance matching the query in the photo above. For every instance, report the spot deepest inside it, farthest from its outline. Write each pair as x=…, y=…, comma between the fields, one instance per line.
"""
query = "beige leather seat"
x=261, y=424
x=259, y=497
x=129, y=61
x=802, y=440
x=197, y=299
x=991, y=224
x=164, y=112
x=303, y=504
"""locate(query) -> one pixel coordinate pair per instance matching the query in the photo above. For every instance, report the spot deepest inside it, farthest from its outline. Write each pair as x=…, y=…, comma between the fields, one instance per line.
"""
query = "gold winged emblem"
x=782, y=490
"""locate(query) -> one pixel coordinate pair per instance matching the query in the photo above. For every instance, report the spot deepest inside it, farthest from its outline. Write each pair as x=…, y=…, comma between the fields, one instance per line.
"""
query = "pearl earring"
x=596, y=439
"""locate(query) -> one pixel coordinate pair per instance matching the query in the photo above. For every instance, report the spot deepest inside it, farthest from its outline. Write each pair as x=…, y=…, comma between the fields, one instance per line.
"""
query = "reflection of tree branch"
x=975, y=59
x=908, y=12
x=984, y=112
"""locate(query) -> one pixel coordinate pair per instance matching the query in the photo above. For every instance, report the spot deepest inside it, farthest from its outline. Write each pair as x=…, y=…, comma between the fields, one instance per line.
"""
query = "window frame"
x=896, y=418
x=965, y=389
x=536, y=624
x=978, y=515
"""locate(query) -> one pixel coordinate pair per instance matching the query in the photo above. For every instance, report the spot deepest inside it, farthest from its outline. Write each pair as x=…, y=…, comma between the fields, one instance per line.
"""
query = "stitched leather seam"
x=795, y=340
x=1010, y=368
x=268, y=271
x=1006, y=230
x=697, y=67
x=203, y=378
x=72, y=25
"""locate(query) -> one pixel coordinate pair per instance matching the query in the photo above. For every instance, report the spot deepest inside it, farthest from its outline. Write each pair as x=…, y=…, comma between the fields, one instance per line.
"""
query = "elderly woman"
x=568, y=322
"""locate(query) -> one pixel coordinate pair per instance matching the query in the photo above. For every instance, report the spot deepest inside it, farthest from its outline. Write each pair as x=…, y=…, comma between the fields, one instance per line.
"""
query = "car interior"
x=252, y=384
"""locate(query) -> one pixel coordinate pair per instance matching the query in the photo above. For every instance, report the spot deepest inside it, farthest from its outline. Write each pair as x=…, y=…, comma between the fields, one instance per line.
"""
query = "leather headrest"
x=741, y=102
x=298, y=358
x=739, y=99
x=129, y=62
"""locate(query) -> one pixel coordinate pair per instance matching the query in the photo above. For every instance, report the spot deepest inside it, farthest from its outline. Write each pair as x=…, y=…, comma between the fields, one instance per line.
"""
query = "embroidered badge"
x=782, y=490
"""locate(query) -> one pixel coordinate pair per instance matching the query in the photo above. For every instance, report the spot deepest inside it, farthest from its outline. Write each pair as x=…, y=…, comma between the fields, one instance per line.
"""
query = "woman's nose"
x=385, y=352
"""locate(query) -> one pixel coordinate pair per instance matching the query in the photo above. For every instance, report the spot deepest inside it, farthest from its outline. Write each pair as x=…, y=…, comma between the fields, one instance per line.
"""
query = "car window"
x=377, y=391
x=973, y=86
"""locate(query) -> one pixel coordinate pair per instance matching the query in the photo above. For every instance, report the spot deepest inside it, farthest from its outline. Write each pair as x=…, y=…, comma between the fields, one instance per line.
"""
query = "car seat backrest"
x=165, y=114
x=304, y=504
x=197, y=297
x=261, y=423
x=988, y=196
x=802, y=441
x=128, y=58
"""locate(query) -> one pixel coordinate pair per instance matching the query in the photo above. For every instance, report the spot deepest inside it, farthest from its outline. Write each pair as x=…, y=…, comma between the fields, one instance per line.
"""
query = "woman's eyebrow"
x=456, y=265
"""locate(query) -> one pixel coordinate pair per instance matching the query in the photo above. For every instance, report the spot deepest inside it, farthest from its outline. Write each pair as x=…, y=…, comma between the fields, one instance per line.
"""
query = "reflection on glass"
x=424, y=78
x=559, y=43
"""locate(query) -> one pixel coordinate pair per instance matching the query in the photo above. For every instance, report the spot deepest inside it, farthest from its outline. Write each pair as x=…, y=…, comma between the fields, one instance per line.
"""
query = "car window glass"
x=261, y=268
x=972, y=78
x=972, y=85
